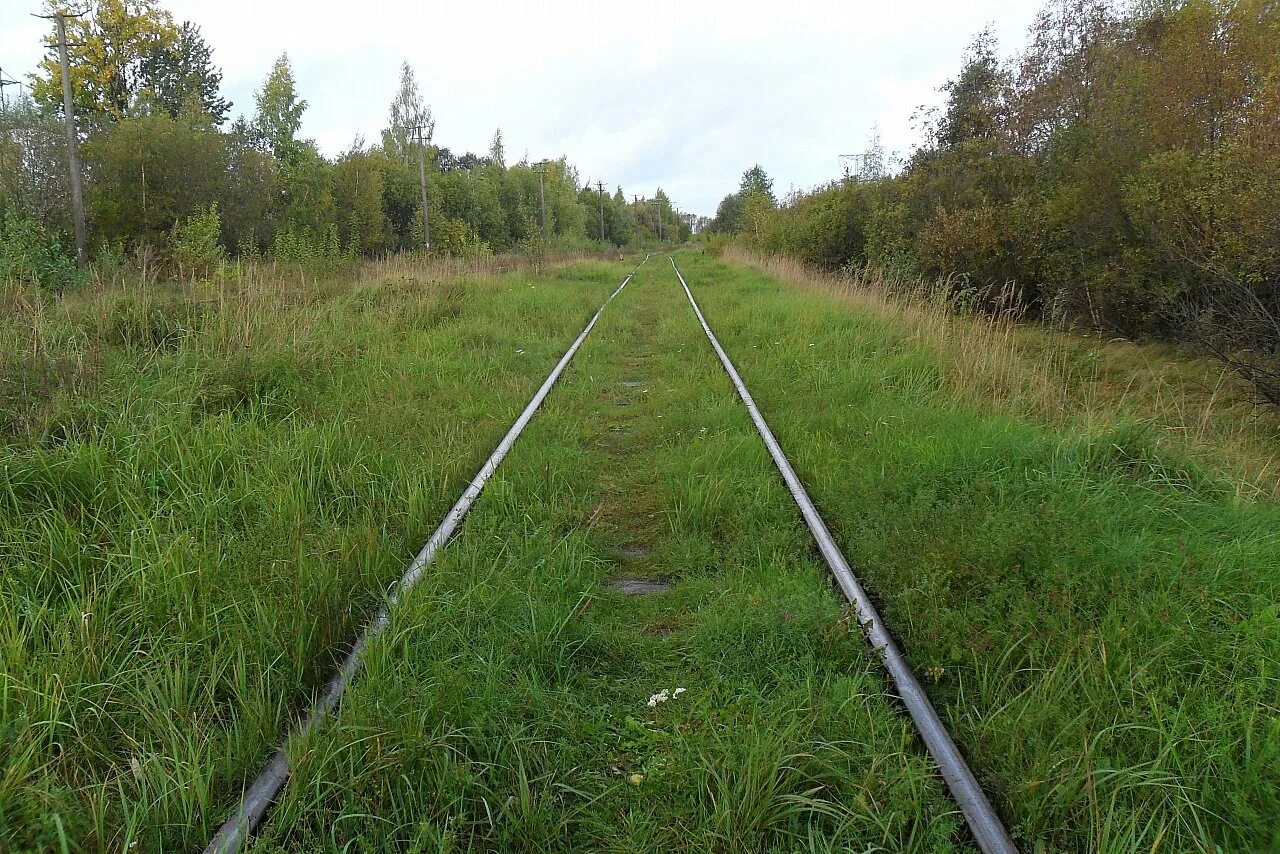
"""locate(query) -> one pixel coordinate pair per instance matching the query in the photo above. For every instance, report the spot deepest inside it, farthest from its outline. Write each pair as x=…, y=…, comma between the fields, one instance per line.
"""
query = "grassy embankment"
x=204, y=490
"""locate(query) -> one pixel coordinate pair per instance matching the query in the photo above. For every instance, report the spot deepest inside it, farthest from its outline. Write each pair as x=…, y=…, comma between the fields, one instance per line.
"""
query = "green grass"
x=205, y=491
x=196, y=525
x=1103, y=610
x=511, y=710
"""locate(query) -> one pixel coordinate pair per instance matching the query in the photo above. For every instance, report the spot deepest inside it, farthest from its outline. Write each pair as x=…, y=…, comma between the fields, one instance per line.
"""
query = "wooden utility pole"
x=73, y=140
x=600, y=184
x=422, y=182
x=5, y=81
x=850, y=165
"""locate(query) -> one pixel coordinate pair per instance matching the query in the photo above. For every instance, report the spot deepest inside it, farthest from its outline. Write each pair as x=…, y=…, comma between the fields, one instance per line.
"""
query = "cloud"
x=683, y=95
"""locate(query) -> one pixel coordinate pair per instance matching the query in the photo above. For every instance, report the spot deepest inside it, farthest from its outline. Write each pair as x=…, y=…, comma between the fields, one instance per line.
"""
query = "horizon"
x=622, y=123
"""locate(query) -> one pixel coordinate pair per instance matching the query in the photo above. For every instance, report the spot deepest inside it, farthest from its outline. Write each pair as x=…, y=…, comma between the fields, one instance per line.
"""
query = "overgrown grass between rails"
x=1190, y=404
x=193, y=529
x=507, y=706
x=1095, y=610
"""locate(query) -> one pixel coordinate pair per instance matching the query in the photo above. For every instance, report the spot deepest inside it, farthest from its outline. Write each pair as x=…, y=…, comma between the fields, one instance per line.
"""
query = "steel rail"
x=267, y=786
x=978, y=812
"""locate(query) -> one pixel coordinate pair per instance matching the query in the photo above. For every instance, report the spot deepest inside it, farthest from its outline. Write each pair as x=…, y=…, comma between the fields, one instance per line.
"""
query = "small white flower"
x=664, y=695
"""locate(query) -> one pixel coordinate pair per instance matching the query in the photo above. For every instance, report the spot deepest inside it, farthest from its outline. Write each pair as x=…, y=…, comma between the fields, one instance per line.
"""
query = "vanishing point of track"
x=985, y=824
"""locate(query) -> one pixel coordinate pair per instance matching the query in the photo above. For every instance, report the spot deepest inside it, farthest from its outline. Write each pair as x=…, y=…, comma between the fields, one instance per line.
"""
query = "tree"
x=617, y=221
x=497, y=153
x=33, y=163
x=248, y=205
x=754, y=180
x=728, y=218
x=150, y=172
x=874, y=165
x=357, y=194
x=408, y=111
x=973, y=108
x=108, y=51
x=279, y=115
x=182, y=78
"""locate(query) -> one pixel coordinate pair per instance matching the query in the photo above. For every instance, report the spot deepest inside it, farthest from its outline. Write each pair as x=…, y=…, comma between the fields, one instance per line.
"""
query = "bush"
x=306, y=245
x=194, y=244
x=29, y=254
x=455, y=237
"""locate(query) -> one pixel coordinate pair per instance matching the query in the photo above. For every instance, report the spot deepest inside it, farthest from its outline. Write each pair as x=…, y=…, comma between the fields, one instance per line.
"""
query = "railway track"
x=985, y=825
x=258, y=798
x=978, y=812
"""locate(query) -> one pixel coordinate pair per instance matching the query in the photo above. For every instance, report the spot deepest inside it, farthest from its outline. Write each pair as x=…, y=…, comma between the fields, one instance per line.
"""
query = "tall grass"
x=511, y=713
x=1093, y=595
x=1066, y=378
x=205, y=488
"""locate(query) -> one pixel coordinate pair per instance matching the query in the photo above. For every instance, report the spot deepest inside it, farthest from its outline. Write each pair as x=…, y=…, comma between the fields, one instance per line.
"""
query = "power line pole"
x=657, y=206
x=7, y=81
x=851, y=165
x=73, y=139
x=422, y=182
x=600, y=184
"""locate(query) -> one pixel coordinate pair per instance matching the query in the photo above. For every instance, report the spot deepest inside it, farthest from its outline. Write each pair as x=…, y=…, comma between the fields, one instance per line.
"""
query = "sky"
x=681, y=95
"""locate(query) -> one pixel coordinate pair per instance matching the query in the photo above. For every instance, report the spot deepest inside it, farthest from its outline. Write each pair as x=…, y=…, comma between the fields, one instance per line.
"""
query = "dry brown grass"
x=1068, y=379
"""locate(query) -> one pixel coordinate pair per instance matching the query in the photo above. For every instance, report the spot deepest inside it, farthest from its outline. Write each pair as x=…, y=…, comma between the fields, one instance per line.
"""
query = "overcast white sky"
x=682, y=95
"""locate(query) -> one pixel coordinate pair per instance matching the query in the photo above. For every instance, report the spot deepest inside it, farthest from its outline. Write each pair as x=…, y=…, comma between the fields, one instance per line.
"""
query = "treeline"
x=1123, y=171
x=169, y=179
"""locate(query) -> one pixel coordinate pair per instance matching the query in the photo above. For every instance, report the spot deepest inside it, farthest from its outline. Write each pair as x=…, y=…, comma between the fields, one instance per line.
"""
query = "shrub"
x=28, y=253
x=306, y=245
x=194, y=244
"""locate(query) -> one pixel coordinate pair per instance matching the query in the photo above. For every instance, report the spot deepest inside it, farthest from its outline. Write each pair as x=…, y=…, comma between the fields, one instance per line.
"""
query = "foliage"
x=28, y=253
x=33, y=158
x=358, y=194
x=182, y=78
x=755, y=181
x=1116, y=174
x=152, y=171
x=279, y=111
x=110, y=52
x=410, y=119
x=158, y=152
x=194, y=243
x=731, y=215
x=306, y=245
x=497, y=151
